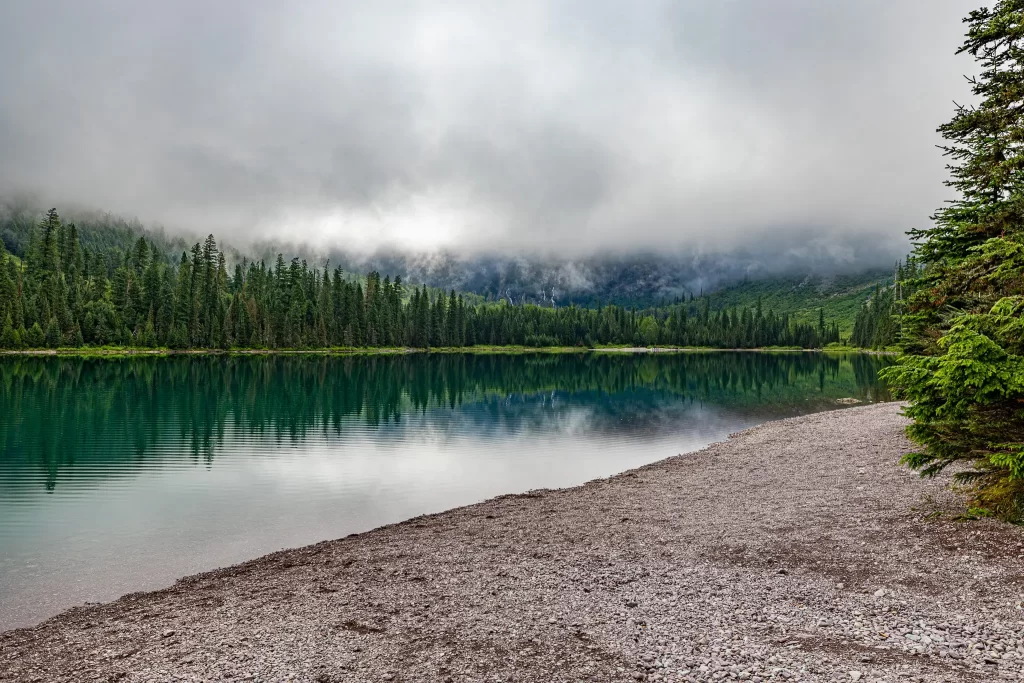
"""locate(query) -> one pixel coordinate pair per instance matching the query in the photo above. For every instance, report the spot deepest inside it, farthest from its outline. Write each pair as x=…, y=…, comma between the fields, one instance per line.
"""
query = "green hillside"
x=97, y=232
x=840, y=295
x=799, y=296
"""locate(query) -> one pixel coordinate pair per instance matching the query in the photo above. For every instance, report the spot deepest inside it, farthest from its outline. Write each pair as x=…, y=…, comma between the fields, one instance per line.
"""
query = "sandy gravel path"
x=797, y=550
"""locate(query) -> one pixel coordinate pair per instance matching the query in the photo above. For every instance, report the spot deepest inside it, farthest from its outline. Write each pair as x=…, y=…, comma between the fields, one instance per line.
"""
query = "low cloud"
x=568, y=126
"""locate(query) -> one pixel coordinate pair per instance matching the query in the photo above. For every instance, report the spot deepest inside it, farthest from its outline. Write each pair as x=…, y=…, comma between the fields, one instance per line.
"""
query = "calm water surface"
x=122, y=475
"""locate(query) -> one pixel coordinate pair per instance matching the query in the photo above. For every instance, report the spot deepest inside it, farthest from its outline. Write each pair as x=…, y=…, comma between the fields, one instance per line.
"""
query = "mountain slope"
x=628, y=279
x=841, y=296
x=97, y=231
x=633, y=279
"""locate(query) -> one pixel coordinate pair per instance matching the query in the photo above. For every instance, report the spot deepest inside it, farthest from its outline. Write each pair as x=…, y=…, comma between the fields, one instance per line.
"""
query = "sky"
x=550, y=126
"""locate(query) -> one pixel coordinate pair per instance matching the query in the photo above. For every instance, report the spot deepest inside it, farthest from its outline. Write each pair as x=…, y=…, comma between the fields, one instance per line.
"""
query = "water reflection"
x=61, y=413
x=120, y=475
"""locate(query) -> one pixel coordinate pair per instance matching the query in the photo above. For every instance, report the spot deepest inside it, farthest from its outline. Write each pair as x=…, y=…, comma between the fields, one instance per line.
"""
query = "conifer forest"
x=59, y=293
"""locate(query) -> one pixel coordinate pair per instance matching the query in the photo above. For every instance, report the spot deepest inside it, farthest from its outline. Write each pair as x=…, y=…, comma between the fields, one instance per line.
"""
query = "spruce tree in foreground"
x=963, y=371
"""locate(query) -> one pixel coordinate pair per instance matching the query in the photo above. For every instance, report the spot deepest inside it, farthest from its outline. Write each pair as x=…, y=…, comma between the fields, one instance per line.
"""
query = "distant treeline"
x=57, y=293
x=877, y=324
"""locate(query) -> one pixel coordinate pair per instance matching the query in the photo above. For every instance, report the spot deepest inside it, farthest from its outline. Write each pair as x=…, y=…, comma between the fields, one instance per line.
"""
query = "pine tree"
x=963, y=332
x=148, y=336
x=7, y=288
x=17, y=308
x=193, y=297
x=52, y=335
x=183, y=305
x=220, y=332
x=7, y=334
x=34, y=338
x=452, y=321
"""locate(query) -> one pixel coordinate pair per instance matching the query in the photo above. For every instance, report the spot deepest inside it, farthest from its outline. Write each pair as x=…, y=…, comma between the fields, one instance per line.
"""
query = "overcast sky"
x=582, y=125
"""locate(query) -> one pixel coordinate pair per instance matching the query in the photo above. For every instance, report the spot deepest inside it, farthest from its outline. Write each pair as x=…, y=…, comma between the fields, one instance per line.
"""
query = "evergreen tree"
x=35, y=338
x=8, y=339
x=963, y=371
x=52, y=335
x=183, y=305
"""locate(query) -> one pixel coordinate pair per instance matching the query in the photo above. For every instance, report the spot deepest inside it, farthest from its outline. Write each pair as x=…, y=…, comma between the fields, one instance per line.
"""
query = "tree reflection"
x=95, y=413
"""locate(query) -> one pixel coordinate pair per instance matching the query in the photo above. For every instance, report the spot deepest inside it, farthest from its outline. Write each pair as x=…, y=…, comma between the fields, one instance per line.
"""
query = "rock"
x=855, y=675
x=167, y=634
x=880, y=593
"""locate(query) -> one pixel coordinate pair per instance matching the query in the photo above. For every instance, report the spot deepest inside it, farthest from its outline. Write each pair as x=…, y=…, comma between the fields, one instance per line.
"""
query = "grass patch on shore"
x=486, y=349
x=134, y=351
x=838, y=348
x=131, y=351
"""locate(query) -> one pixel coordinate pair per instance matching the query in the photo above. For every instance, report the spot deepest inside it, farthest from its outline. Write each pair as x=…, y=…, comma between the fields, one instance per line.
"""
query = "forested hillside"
x=840, y=296
x=638, y=279
x=64, y=293
x=98, y=233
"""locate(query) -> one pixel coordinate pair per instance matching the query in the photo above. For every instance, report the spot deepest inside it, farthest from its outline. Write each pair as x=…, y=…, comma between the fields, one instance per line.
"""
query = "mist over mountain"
x=637, y=277
x=628, y=278
x=571, y=127
x=549, y=151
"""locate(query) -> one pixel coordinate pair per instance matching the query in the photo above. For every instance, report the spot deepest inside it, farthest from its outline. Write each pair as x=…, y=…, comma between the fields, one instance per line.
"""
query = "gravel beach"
x=798, y=550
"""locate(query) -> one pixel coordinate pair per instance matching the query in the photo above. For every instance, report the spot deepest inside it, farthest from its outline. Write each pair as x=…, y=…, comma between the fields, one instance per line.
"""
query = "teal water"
x=123, y=475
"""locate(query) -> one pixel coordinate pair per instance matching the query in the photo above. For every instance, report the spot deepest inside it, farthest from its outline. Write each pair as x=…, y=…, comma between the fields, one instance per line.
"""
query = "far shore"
x=798, y=550
x=114, y=351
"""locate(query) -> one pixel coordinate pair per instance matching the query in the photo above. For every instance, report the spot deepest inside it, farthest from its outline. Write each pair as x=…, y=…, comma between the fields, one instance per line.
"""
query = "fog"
x=570, y=127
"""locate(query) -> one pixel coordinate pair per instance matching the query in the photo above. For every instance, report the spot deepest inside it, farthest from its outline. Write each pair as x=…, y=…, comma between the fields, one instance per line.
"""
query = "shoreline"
x=391, y=351
x=798, y=549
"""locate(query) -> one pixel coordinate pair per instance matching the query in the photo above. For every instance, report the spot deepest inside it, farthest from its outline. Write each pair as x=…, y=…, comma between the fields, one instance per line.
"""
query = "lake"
x=118, y=475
